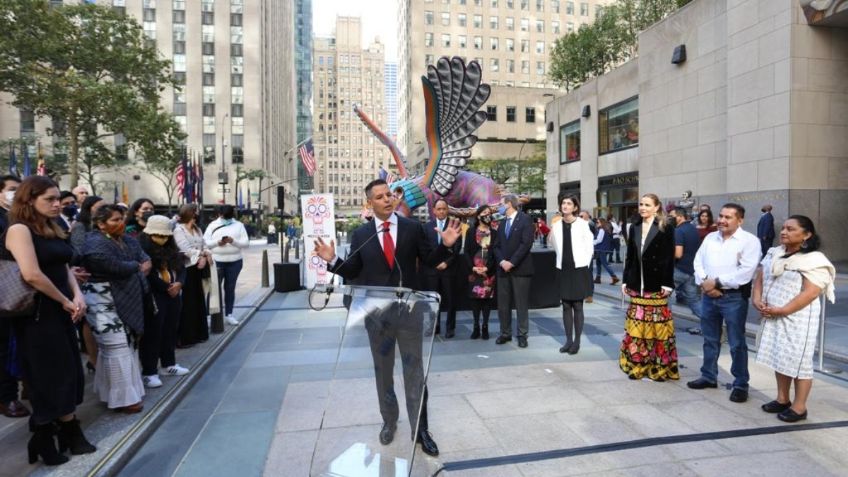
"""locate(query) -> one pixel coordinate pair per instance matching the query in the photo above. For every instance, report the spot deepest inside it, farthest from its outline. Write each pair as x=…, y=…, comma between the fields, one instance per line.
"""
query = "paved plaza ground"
x=259, y=405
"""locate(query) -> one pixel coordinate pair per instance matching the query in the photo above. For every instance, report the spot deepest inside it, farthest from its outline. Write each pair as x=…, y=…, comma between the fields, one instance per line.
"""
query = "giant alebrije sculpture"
x=453, y=95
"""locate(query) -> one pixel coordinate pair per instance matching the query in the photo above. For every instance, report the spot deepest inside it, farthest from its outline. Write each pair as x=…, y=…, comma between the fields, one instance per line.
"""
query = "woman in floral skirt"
x=649, y=349
x=478, y=250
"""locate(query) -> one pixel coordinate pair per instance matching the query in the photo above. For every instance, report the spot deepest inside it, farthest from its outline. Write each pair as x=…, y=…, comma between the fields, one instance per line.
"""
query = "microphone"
x=349, y=256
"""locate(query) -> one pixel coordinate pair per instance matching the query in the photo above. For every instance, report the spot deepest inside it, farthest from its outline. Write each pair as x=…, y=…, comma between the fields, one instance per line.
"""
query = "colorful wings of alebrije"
x=453, y=96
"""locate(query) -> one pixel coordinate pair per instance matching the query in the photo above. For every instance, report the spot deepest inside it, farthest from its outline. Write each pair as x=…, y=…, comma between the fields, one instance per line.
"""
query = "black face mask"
x=69, y=210
x=146, y=216
x=486, y=219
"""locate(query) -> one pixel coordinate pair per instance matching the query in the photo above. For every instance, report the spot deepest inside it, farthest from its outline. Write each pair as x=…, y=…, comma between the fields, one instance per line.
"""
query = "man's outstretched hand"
x=326, y=251
x=451, y=233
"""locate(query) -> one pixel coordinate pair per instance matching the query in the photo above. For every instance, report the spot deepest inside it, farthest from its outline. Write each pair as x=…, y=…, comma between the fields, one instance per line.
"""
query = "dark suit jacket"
x=655, y=263
x=369, y=267
x=765, y=228
x=472, y=247
x=430, y=232
x=516, y=248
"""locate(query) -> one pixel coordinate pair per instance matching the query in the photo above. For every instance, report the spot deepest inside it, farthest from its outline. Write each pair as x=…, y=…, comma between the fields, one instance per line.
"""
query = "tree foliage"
x=612, y=39
x=159, y=149
x=86, y=66
x=521, y=176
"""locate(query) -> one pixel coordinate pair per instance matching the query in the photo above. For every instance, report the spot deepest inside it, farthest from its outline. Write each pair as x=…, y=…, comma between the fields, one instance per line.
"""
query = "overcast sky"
x=379, y=18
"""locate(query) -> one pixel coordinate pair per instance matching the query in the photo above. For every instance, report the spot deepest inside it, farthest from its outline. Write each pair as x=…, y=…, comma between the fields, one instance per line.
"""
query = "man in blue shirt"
x=685, y=247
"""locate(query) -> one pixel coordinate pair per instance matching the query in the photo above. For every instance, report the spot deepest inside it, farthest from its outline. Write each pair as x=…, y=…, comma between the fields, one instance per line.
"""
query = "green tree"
x=159, y=148
x=524, y=176
x=86, y=66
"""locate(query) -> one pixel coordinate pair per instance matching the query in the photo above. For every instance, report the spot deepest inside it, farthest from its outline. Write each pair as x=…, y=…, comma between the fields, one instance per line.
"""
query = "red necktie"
x=388, y=245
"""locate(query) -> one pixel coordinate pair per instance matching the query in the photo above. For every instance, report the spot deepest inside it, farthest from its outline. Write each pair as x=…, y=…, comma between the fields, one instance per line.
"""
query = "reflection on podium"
x=389, y=330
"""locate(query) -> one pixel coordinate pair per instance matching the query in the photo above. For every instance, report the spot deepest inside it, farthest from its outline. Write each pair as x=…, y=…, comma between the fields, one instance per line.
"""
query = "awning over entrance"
x=832, y=13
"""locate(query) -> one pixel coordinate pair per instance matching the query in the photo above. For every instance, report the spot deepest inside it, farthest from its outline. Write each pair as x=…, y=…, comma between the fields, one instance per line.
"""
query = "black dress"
x=575, y=284
x=50, y=358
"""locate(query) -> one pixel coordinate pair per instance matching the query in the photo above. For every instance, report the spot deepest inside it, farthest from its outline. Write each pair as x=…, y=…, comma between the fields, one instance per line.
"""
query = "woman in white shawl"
x=786, y=290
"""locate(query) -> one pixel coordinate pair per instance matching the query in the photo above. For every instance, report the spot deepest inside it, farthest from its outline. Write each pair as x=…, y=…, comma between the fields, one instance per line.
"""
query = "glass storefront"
x=618, y=195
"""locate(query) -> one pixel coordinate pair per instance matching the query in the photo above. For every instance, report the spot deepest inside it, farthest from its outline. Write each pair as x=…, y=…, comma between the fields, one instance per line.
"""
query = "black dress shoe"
x=485, y=332
x=566, y=347
x=775, y=407
x=428, y=445
x=739, y=395
x=522, y=341
x=701, y=383
x=14, y=409
x=450, y=334
x=503, y=339
x=791, y=416
x=574, y=348
x=387, y=434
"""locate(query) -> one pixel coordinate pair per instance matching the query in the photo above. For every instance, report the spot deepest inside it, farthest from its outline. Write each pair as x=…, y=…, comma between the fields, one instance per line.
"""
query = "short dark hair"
x=806, y=223
x=679, y=211
x=105, y=213
x=440, y=199
x=84, y=216
x=65, y=194
x=372, y=185
x=481, y=209
x=227, y=211
x=740, y=211
x=572, y=197
x=7, y=178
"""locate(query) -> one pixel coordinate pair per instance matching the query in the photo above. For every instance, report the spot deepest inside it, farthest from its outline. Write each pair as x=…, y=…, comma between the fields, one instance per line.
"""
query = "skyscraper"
x=303, y=70
x=391, y=99
x=346, y=74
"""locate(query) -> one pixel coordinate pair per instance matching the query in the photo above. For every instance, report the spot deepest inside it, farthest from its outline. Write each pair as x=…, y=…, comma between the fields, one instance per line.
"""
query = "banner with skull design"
x=318, y=221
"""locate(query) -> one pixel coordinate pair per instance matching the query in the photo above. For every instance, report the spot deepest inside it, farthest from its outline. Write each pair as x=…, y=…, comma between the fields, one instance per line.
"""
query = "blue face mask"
x=502, y=209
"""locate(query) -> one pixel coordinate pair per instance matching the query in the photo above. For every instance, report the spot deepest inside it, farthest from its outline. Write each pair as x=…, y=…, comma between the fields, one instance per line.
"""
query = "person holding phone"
x=226, y=237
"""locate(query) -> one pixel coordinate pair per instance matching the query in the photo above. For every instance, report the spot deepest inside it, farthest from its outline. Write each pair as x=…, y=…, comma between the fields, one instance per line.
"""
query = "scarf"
x=813, y=266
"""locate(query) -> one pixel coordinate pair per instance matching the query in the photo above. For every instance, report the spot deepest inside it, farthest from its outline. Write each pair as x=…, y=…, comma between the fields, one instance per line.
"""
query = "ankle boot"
x=475, y=333
x=71, y=437
x=614, y=280
x=598, y=279
x=485, y=331
x=43, y=444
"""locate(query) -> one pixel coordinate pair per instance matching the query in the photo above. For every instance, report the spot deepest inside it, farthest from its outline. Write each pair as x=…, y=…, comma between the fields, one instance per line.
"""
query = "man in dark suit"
x=765, y=229
x=515, y=269
x=442, y=277
x=385, y=254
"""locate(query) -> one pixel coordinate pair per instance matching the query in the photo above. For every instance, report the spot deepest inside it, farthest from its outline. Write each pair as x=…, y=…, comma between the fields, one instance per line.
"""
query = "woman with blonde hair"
x=47, y=342
x=649, y=349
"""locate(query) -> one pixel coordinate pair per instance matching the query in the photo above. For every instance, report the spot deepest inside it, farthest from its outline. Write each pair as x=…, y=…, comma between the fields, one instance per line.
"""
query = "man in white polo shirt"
x=724, y=267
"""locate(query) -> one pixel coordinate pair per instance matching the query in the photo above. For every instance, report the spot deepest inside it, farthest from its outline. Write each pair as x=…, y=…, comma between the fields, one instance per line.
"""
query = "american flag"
x=181, y=177
x=307, y=155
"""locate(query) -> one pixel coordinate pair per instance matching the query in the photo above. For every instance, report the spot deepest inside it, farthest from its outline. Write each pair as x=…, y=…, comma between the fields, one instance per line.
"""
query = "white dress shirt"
x=732, y=261
x=393, y=228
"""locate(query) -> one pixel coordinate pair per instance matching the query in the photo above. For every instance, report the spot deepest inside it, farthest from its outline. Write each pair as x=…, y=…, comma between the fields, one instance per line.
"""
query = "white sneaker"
x=230, y=320
x=151, y=381
x=176, y=370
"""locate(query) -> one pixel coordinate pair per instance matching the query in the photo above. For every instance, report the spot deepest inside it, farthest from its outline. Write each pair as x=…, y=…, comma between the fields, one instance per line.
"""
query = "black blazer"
x=656, y=261
x=516, y=248
x=369, y=267
x=430, y=232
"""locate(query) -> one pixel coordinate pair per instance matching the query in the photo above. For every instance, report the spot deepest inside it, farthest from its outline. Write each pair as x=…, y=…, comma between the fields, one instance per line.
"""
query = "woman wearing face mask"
x=226, y=237
x=137, y=216
x=166, y=282
x=115, y=297
x=572, y=239
x=479, y=242
x=193, y=327
x=79, y=230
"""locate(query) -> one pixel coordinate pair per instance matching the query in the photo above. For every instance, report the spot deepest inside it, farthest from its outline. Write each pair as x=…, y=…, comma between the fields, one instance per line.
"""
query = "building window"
x=208, y=63
x=525, y=67
x=208, y=109
x=27, y=122
x=428, y=39
x=207, y=5
x=525, y=4
x=179, y=48
x=510, y=114
x=179, y=31
x=510, y=66
x=446, y=40
x=540, y=67
x=540, y=5
x=478, y=21
x=494, y=4
x=180, y=63
x=238, y=148
x=540, y=26
x=208, y=124
x=208, y=94
x=491, y=113
x=428, y=60
x=510, y=23
x=208, y=33
x=208, y=48
x=494, y=65
x=510, y=44
x=238, y=125
x=555, y=6
x=493, y=23
x=530, y=114
x=478, y=42
x=445, y=19
x=237, y=34
x=493, y=42
x=525, y=46
x=428, y=18
x=236, y=80
x=149, y=30
x=180, y=77
x=461, y=19
x=208, y=79
x=555, y=27
x=525, y=24
x=569, y=27
x=237, y=64
x=618, y=126
x=584, y=9
x=463, y=41
x=510, y=4
x=569, y=142
x=237, y=110
x=237, y=94
x=236, y=50
x=209, y=149
x=540, y=47
x=236, y=19
x=569, y=8
x=182, y=121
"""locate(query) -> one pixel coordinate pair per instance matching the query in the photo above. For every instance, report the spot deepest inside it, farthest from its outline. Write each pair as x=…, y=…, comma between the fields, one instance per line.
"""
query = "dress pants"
x=444, y=283
x=391, y=324
x=517, y=288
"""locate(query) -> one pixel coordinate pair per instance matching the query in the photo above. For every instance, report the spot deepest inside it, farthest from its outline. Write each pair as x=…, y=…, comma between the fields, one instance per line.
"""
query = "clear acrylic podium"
x=385, y=346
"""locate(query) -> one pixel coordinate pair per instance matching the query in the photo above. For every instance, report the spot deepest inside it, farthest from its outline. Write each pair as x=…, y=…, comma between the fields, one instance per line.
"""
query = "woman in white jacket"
x=226, y=237
x=572, y=240
x=193, y=326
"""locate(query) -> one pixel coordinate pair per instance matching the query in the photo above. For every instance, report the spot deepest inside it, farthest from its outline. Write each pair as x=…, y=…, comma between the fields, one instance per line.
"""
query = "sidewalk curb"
x=750, y=330
x=129, y=444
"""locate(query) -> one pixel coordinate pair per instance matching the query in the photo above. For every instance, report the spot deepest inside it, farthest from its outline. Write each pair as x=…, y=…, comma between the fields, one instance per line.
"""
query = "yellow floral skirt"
x=648, y=348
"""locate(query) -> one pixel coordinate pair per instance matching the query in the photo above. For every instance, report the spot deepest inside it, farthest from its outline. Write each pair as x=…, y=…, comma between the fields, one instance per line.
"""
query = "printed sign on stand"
x=319, y=220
